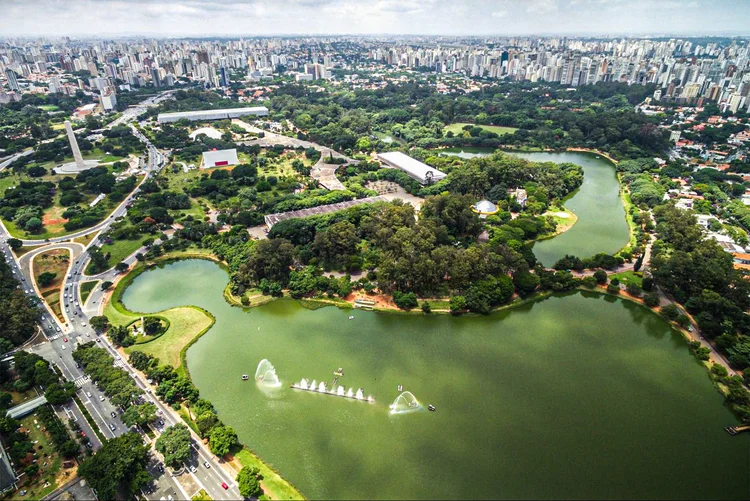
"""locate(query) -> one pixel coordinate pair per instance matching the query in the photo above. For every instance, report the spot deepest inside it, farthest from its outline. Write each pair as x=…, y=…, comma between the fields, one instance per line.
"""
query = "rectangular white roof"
x=414, y=168
x=210, y=114
x=211, y=157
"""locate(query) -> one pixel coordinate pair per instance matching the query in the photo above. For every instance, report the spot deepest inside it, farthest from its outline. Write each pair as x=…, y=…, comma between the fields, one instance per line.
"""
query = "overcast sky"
x=110, y=18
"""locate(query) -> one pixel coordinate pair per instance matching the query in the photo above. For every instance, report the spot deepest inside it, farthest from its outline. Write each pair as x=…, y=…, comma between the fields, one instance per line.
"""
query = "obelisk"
x=74, y=146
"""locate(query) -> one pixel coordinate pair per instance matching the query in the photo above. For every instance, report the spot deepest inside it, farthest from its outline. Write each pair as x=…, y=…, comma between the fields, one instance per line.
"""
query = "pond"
x=601, y=225
x=576, y=396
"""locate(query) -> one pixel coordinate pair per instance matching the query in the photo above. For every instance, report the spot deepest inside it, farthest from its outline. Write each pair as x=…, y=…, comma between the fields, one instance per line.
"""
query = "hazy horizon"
x=492, y=18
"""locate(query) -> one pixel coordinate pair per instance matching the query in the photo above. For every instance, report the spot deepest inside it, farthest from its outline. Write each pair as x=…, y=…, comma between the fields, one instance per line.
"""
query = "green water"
x=601, y=225
x=579, y=396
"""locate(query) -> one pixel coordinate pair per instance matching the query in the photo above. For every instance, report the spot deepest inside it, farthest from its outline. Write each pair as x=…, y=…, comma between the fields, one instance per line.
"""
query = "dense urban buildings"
x=688, y=71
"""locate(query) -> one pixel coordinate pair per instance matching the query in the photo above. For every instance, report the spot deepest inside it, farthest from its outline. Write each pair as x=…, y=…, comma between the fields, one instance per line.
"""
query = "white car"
x=63, y=347
x=88, y=394
x=101, y=398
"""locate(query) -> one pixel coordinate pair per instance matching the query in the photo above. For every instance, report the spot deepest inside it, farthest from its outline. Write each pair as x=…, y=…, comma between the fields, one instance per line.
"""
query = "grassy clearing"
x=185, y=323
x=120, y=249
x=629, y=277
x=54, y=261
x=86, y=288
x=273, y=485
x=86, y=239
x=201, y=496
x=457, y=128
x=48, y=460
x=564, y=218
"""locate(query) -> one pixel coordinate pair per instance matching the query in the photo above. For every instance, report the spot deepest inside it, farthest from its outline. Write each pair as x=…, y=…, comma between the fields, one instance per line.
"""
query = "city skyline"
x=173, y=18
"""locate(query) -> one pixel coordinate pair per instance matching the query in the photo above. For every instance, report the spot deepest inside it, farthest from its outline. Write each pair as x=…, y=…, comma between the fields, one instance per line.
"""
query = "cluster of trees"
x=698, y=273
x=113, y=381
x=18, y=316
x=118, y=468
x=547, y=116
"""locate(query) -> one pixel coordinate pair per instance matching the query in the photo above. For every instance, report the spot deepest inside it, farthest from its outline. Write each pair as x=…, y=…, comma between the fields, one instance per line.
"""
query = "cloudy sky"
x=111, y=18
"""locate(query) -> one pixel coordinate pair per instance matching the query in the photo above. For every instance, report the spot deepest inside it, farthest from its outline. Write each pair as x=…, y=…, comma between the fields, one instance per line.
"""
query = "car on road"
x=65, y=340
x=225, y=486
x=63, y=347
x=160, y=468
x=193, y=469
x=112, y=427
x=113, y=414
x=101, y=398
x=205, y=463
x=88, y=394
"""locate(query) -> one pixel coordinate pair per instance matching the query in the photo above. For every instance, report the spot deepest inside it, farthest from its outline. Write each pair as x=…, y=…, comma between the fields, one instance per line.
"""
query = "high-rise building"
x=12, y=79
x=223, y=77
x=108, y=100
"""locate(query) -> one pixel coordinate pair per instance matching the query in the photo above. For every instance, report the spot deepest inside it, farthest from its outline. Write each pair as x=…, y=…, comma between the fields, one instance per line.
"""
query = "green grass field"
x=49, y=461
x=185, y=323
x=86, y=288
x=628, y=277
x=119, y=250
x=457, y=128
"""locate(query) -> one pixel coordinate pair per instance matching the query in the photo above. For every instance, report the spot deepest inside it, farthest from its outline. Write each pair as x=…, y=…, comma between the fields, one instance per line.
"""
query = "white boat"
x=245, y=377
x=351, y=317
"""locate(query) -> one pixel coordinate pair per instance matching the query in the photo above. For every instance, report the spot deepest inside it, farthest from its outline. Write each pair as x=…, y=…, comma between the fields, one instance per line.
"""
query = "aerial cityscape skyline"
x=166, y=18
x=386, y=249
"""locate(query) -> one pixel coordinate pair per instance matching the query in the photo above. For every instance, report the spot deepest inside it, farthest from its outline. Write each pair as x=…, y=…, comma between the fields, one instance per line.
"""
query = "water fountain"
x=266, y=374
x=332, y=388
x=405, y=402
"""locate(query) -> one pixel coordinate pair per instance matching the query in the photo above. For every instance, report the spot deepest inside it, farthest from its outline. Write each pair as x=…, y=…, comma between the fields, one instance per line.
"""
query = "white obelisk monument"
x=74, y=146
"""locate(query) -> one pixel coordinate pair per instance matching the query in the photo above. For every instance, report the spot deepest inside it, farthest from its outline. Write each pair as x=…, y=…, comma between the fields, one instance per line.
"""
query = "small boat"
x=431, y=408
x=351, y=317
x=245, y=377
x=400, y=388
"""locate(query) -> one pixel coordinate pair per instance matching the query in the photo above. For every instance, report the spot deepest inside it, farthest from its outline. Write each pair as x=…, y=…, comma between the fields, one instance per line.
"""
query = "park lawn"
x=55, y=261
x=8, y=182
x=119, y=250
x=86, y=288
x=86, y=239
x=628, y=277
x=49, y=462
x=48, y=107
x=274, y=486
x=52, y=298
x=564, y=223
x=185, y=323
x=457, y=128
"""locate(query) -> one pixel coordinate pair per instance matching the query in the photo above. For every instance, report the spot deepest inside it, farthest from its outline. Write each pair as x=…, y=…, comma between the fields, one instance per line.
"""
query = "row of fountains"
x=266, y=375
x=339, y=390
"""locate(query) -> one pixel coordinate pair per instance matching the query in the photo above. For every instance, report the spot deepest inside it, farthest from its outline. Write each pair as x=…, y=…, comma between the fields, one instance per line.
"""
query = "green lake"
x=601, y=225
x=575, y=396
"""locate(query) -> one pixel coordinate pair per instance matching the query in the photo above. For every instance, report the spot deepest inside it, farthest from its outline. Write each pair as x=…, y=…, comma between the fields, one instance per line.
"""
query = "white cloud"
x=500, y=13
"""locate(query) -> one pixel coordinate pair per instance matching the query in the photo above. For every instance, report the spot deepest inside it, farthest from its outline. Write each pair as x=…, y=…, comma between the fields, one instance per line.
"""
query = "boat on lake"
x=245, y=377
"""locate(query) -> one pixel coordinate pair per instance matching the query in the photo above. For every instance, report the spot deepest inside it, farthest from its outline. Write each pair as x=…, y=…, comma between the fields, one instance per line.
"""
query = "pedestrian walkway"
x=82, y=380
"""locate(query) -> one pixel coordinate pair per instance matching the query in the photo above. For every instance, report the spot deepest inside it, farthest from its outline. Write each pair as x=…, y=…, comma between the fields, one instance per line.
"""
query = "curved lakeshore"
x=528, y=405
x=601, y=224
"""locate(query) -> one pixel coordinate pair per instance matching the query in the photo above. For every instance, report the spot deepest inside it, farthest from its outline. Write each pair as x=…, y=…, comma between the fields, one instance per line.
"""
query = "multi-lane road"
x=203, y=470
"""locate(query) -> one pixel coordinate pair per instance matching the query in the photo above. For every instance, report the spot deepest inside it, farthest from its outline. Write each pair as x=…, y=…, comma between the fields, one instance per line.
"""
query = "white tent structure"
x=414, y=168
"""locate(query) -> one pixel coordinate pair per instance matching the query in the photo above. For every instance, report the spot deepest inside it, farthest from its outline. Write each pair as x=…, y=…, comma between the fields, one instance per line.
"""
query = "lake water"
x=601, y=225
x=577, y=396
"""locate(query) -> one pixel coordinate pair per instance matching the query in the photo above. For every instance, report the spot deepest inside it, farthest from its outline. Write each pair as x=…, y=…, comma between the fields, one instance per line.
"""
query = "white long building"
x=200, y=115
x=414, y=168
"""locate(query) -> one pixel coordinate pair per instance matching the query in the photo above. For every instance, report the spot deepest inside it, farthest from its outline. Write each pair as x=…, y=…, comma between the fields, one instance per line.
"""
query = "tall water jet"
x=303, y=384
x=266, y=374
x=350, y=393
x=360, y=395
x=322, y=387
x=340, y=391
x=405, y=402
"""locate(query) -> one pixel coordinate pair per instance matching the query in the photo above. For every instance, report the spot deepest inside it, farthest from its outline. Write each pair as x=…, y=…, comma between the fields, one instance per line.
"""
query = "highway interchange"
x=203, y=469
